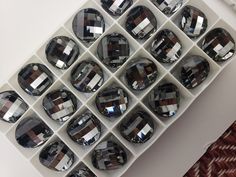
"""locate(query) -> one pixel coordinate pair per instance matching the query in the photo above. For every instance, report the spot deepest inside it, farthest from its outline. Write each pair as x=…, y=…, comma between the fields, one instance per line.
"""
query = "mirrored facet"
x=82, y=172
x=62, y=52
x=141, y=23
x=60, y=105
x=35, y=79
x=84, y=129
x=108, y=155
x=116, y=7
x=87, y=77
x=12, y=106
x=57, y=156
x=168, y=7
x=32, y=132
x=137, y=128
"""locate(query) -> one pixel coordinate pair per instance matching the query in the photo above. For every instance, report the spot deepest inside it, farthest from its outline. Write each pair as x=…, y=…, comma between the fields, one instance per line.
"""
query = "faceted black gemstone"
x=84, y=129
x=194, y=71
x=113, y=50
x=88, y=25
x=60, y=105
x=62, y=52
x=219, y=45
x=166, y=47
x=116, y=7
x=57, y=156
x=165, y=100
x=32, y=132
x=87, y=77
x=108, y=155
x=112, y=102
x=137, y=128
x=12, y=106
x=141, y=73
x=193, y=22
x=82, y=172
x=141, y=22
x=35, y=79
x=168, y=7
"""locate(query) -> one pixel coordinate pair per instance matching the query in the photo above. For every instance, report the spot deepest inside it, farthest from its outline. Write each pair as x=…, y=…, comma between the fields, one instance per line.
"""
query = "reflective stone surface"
x=166, y=47
x=193, y=22
x=116, y=7
x=32, y=132
x=88, y=25
x=165, y=99
x=194, y=71
x=113, y=50
x=12, y=106
x=137, y=128
x=219, y=45
x=140, y=74
x=57, y=156
x=87, y=77
x=112, y=102
x=62, y=52
x=82, y=172
x=60, y=105
x=108, y=155
x=168, y=7
x=84, y=129
x=141, y=22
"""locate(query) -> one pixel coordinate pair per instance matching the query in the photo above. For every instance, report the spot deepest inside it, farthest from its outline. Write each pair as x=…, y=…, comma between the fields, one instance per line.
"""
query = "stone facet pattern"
x=82, y=172
x=168, y=7
x=116, y=7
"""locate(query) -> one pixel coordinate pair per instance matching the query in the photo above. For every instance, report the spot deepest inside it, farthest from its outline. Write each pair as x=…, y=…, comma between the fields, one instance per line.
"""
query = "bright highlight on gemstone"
x=168, y=7
x=116, y=7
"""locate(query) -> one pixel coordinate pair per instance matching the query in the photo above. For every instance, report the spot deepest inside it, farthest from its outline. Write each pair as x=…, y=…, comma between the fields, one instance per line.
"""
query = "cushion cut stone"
x=35, y=79
x=12, y=106
x=60, y=105
x=113, y=50
x=140, y=74
x=193, y=22
x=108, y=155
x=112, y=102
x=194, y=71
x=137, y=128
x=116, y=7
x=165, y=99
x=219, y=45
x=62, y=52
x=57, y=156
x=32, y=132
x=141, y=23
x=82, y=172
x=166, y=47
x=84, y=129
x=168, y=7
x=88, y=25
x=87, y=77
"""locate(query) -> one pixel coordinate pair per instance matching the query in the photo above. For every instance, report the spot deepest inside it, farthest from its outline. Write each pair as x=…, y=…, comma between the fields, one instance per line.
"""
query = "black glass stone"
x=88, y=25
x=193, y=22
x=60, y=105
x=138, y=128
x=35, y=79
x=108, y=155
x=168, y=7
x=165, y=100
x=219, y=45
x=57, y=156
x=140, y=74
x=32, y=132
x=12, y=106
x=116, y=7
x=82, y=172
x=166, y=47
x=87, y=77
x=194, y=71
x=62, y=52
x=112, y=102
x=141, y=23
x=84, y=129
x=113, y=50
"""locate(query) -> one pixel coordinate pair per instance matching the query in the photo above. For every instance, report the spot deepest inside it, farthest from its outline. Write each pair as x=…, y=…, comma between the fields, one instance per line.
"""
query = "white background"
x=26, y=24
